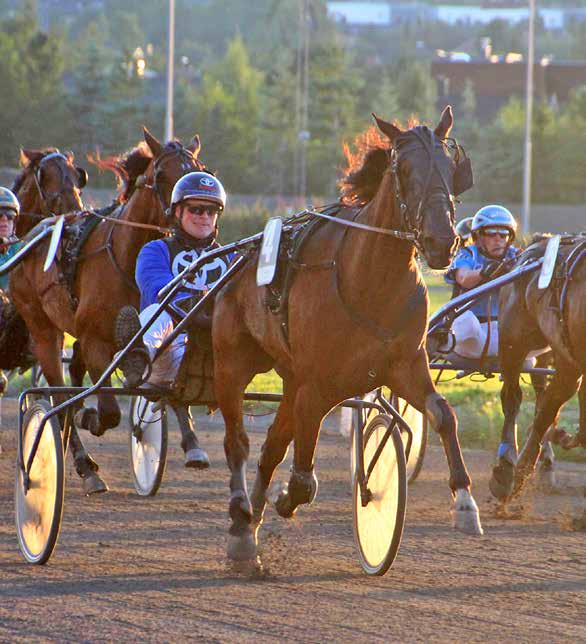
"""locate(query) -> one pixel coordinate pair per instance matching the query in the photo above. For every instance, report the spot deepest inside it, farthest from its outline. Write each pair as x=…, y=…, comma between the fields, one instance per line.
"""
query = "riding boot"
x=136, y=362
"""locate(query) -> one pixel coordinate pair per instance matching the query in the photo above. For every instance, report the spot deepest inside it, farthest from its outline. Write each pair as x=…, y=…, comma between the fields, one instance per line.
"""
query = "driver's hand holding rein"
x=490, y=254
x=197, y=202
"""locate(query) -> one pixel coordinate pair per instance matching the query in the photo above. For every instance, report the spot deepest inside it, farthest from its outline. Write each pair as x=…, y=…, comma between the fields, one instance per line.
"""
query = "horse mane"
x=127, y=167
x=366, y=165
x=28, y=164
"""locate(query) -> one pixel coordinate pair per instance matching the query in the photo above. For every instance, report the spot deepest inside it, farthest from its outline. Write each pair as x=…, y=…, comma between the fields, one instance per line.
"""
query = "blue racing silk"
x=159, y=262
x=4, y=257
x=470, y=257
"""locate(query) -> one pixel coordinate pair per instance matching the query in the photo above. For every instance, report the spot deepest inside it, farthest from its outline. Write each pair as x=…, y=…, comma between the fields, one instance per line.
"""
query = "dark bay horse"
x=104, y=279
x=357, y=323
x=48, y=184
x=531, y=318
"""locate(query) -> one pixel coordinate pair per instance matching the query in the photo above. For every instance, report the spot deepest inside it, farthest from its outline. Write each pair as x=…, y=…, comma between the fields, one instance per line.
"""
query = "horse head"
x=429, y=170
x=169, y=163
x=49, y=184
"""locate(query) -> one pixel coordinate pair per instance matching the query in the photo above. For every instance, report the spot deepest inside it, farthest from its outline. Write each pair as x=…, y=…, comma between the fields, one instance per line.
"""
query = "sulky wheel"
x=148, y=445
x=378, y=526
x=418, y=423
x=39, y=509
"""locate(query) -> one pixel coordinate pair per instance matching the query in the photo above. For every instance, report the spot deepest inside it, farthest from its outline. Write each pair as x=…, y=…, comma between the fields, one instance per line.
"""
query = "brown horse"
x=357, y=323
x=531, y=318
x=48, y=184
x=104, y=279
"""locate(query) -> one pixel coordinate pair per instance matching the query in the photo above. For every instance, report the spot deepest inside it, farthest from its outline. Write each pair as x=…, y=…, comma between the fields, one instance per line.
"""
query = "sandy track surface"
x=127, y=568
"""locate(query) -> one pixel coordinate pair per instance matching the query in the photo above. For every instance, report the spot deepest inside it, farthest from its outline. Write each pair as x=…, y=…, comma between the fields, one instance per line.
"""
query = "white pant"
x=166, y=366
x=471, y=336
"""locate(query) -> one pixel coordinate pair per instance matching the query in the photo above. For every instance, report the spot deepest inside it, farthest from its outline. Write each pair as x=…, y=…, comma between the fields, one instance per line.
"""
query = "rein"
x=399, y=234
x=132, y=224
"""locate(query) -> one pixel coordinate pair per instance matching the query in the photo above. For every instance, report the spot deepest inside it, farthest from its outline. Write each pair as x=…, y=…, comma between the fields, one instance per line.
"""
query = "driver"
x=490, y=254
x=14, y=336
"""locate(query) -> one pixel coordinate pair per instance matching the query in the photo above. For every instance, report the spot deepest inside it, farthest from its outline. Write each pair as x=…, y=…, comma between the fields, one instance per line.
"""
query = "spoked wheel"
x=148, y=445
x=39, y=509
x=418, y=423
x=378, y=526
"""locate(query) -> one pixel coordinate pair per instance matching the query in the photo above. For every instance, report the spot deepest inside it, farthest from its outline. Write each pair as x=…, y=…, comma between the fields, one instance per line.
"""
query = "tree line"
x=97, y=76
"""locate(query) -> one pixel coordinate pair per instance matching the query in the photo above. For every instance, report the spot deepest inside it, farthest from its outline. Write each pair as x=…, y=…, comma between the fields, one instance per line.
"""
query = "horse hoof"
x=465, y=514
x=87, y=418
x=94, y=484
x=241, y=548
x=546, y=481
x=197, y=458
x=502, y=480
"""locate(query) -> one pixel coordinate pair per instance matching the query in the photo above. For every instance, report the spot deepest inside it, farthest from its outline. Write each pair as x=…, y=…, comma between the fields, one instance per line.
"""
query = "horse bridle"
x=190, y=163
x=51, y=198
x=411, y=226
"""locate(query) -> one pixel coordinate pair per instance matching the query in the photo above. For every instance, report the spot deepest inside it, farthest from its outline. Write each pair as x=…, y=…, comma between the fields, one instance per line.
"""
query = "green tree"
x=32, y=110
x=227, y=116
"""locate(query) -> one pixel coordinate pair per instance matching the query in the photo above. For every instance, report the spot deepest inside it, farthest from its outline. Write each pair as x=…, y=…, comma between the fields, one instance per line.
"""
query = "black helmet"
x=198, y=185
x=9, y=202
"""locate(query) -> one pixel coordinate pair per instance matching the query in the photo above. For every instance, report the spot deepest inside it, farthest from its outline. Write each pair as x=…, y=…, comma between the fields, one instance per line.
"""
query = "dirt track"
x=127, y=568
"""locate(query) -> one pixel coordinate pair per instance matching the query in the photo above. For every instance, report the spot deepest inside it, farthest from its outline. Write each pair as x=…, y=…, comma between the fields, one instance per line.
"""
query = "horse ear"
x=28, y=156
x=446, y=122
x=388, y=129
x=152, y=142
x=195, y=145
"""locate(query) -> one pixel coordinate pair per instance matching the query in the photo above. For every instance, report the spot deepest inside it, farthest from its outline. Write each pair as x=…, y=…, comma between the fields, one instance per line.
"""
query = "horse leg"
x=97, y=356
x=237, y=358
x=85, y=465
x=273, y=452
x=546, y=467
x=562, y=387
x=195, y=456
x=412, y=381
x=503, y=473
x=308, y=412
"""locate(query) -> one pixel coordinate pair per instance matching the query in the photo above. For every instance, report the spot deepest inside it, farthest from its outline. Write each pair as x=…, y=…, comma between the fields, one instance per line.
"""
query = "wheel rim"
x=146, y=452
x=38, y=512
x=379, y=525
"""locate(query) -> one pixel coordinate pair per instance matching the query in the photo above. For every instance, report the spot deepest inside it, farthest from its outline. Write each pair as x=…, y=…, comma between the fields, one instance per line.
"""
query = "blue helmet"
x=198, y=185
x=494, y=216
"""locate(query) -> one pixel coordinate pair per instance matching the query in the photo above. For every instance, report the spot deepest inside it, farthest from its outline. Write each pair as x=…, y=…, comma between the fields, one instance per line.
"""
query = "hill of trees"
x=98, y=73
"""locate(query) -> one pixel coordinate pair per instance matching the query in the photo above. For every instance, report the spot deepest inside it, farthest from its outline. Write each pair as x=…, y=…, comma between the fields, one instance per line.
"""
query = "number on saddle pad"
x=269, y=251
x=549, y=259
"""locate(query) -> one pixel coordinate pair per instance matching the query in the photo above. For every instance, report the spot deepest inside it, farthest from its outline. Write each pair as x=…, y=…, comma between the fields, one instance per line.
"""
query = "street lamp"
x=526, y=223
x=170, y=69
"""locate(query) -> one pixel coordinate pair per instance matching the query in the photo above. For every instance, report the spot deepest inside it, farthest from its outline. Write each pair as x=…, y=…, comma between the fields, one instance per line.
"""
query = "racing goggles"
x=8, y=213
x=200, y=211
x=503, y=233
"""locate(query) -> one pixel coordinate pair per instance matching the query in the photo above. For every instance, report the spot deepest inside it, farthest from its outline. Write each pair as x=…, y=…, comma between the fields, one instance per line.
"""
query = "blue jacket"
x=471, y=257
x=160, y=261
x=4, y=257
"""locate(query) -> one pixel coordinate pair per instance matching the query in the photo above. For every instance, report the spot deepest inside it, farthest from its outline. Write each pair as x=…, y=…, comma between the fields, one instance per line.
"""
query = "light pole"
x=170, y=70
x=526, y=224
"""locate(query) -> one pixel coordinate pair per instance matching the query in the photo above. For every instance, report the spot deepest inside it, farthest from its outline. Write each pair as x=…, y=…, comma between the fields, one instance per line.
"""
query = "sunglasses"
x=494, y=234
x=210, y=211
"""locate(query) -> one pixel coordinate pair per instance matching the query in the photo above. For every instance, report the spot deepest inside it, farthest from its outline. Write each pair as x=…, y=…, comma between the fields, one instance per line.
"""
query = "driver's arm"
x=468, y=278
